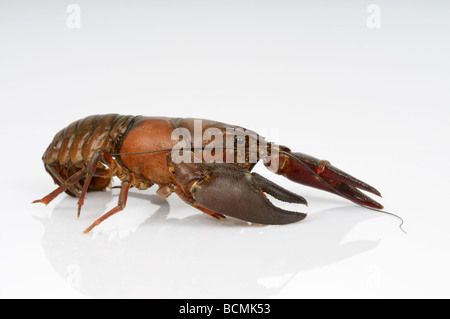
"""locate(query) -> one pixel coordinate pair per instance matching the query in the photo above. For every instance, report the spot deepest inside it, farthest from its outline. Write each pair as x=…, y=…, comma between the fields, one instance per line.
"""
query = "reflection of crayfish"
x=139, y=150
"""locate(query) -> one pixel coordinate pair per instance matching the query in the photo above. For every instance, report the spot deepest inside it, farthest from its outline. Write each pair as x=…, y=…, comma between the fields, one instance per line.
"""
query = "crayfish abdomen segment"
x=72, y=147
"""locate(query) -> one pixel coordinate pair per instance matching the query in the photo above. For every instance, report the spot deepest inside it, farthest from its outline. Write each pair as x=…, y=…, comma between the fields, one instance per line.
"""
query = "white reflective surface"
x=196, y=256
x=374, y=101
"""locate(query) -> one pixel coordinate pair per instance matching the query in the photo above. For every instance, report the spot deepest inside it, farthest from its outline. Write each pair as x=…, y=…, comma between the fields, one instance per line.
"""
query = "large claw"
x=308, y=170
x=228, y=189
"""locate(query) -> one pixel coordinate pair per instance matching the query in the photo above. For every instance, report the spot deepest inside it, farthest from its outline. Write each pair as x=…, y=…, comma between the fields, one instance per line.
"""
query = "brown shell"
x=141, y=145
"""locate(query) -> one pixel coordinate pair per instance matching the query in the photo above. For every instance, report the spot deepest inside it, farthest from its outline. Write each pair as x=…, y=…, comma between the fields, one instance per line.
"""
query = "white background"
x=373, y=101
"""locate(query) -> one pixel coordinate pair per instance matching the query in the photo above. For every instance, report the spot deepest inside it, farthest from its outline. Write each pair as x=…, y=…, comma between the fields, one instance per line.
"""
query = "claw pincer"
x=310, y=171
x=232, y=190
